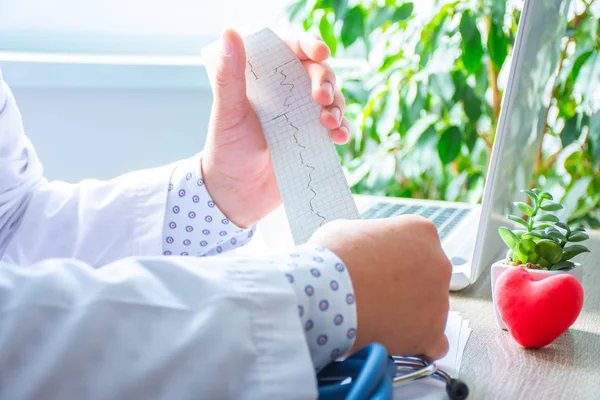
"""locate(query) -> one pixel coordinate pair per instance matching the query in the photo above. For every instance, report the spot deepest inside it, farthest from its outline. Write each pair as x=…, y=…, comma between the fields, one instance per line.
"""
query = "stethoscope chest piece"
x=370, y=374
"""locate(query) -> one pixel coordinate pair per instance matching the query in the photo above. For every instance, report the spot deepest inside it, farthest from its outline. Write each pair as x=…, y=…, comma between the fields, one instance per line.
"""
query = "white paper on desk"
x=457, y=331
x=311, y=181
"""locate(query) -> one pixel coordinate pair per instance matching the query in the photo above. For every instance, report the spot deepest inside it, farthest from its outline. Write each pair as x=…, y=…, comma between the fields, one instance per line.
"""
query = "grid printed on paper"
x=313, y=187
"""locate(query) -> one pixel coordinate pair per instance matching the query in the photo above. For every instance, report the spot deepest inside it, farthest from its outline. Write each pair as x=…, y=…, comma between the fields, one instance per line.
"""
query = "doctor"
x=93, y=307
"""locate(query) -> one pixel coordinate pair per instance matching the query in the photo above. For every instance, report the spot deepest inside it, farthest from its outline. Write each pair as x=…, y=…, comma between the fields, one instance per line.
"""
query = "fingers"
x=342, y=134
x=331, y=116
x=309, y=46
x=322, y=80
x=230, y=104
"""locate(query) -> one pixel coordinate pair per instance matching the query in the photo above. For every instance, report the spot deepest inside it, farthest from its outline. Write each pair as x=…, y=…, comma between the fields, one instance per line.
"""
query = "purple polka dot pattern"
x=338, y=319
x=190, y=211
x=322, y=287
x=308, y=325
x=335, y=354
x=323, y=305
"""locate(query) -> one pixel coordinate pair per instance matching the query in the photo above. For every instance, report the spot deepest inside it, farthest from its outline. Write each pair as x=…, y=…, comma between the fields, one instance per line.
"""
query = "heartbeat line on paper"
x=311, y=180
x=252, y=70
x=283, y=82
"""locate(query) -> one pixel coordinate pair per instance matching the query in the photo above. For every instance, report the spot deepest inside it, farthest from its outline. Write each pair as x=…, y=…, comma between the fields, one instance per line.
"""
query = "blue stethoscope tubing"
x=371, y=374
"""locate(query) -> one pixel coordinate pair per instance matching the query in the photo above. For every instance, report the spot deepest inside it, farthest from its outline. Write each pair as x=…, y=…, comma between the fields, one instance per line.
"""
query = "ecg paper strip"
x=313, y=187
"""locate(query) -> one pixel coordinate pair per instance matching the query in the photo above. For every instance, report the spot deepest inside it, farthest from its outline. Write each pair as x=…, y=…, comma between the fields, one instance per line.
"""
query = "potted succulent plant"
x=543, y=245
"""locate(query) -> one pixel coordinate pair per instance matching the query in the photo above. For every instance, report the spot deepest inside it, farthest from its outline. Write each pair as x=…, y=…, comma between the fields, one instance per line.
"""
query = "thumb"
x=230, y=101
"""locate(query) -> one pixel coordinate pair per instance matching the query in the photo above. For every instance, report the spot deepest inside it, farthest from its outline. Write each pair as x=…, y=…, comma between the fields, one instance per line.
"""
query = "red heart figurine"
x=537, y=310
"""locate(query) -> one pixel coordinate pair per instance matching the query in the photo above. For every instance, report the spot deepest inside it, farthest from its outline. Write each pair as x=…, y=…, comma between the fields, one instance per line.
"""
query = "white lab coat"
x=93, y=322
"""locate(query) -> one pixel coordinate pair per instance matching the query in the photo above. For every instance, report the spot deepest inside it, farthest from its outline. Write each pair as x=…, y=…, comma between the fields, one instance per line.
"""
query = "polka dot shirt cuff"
x=194, y=225
x=326, y=303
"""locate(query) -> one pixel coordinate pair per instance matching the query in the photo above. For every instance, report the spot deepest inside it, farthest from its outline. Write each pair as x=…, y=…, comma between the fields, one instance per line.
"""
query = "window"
x=142, y=27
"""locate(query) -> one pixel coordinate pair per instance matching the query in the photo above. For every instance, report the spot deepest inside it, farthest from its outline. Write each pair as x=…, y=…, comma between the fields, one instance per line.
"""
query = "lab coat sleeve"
x=95, y=221
x=152, y=328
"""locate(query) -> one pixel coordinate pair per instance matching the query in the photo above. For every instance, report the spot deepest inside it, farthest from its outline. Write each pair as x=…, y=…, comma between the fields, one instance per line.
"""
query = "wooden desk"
x=496, y=367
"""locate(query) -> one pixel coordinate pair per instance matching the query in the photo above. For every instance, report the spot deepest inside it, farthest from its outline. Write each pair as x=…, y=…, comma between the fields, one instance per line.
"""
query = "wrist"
x=352, y=255
x=243, y=202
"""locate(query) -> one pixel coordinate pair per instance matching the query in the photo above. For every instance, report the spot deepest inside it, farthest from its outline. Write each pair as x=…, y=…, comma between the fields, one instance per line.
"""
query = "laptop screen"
x=525, y=102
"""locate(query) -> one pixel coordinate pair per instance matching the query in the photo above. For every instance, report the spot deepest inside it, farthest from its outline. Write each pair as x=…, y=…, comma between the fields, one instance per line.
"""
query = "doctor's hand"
x=401, y=280
x=236, y=165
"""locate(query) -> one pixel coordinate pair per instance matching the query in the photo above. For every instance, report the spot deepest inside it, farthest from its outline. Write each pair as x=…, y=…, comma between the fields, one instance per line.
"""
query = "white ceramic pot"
x=500, y=266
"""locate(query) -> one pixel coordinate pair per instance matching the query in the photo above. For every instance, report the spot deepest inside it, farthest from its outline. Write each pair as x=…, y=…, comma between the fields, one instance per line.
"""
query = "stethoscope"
x=372, y=374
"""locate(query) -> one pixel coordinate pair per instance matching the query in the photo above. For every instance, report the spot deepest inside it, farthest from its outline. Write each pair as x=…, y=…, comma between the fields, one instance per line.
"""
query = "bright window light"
x=145, y=27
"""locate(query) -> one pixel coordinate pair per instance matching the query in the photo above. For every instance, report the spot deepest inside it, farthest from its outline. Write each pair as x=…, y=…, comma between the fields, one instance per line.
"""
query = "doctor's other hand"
x=401, y=280
x=236, y=165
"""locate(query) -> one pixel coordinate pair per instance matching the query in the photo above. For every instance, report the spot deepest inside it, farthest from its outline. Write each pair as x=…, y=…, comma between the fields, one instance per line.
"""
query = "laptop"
x=468, y=232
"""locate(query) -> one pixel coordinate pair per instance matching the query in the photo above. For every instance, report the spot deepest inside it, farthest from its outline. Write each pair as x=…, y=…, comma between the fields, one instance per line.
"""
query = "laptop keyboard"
x=444, y=218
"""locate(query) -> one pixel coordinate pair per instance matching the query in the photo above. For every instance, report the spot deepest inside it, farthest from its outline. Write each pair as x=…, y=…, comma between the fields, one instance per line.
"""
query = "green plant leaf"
x=449, y=145
x=578, y=229
x=497, y=44
x=571, y=251
x=339, y=8
x=546, y=195
x=524, y=207
x=579, y=62
x=472, y=104
x=526, y=246
x=532, y=196
x=594, y=138
x=354, y=26
x=555, y=234
x=563, y=265
x=378, y=17
x=564, y=226
x=508, y=237
x=518, y=256
x=571, y=131
x=294, y=8
x=472, y=48
x=546, y=218
x=542, y=226
x=467, y=25
x=551, y=206
x=518, y=220
x=534, y=234
x=326, y=30
x=498, y=9
x=543, y=262
x=402, y=12
x=578, y=237
x=389, y=60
